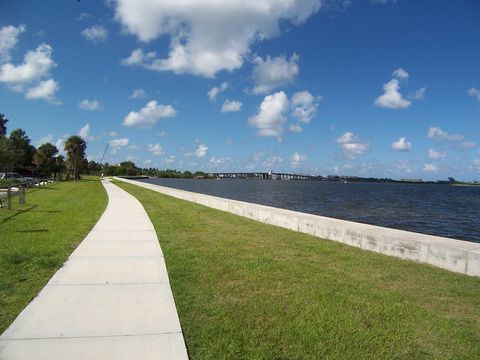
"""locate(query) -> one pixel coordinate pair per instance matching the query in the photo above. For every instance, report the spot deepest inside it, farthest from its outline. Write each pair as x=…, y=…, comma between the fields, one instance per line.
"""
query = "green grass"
x=246, y=290
x=35, y=239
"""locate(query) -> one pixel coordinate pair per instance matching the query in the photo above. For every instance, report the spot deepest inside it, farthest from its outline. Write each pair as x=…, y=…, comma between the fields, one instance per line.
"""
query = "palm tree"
x=75, y=148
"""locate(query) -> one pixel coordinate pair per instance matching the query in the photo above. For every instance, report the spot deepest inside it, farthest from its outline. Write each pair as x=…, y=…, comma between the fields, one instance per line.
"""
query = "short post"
x=21, y=195
x=9, y=197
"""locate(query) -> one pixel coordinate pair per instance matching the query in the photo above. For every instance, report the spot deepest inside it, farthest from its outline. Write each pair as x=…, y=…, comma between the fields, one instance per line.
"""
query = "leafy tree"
x=45, y=158
x=7, y=155
x=59, y=165
x=20, y=144
x=75, y=148
x=3, y=125
x=187, y=174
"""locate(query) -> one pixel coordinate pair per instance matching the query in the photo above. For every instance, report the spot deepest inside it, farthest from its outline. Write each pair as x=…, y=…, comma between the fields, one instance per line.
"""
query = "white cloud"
x=352, y=145
x=295, y=128
x=156, y=149
x=271, y=73
x=119, y=142
x=201, y=150
x=219, y=161
x=208, y=36
x=231, y=106
x=435, y=155
x=95, y=34
x=402, y=145
x=113, y=133
x=8, y=40
x=475, y=93
x=392, y=98
x=84, y=16
x=89, y=104
x=418, y=94
x=270, y=117
x=297, y=159
x=468, y=144
x=116, y=144
x=304, y=106
x=36, y=64
x=169, y=160
x=400, y=74
x=214, y=91
x=138, y=94
x=437, y=133
x=430, y=167
x=84, y=131
x=149, y=115
x=44, y=140
x=44, y=90
x=476, y=164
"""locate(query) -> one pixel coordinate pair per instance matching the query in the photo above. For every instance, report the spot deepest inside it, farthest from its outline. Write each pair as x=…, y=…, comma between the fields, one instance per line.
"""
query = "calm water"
x=451, y=211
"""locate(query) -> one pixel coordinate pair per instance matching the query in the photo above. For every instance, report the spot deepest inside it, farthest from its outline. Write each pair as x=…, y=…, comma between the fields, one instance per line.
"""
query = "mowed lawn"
x=37, y=238
x=246, y=290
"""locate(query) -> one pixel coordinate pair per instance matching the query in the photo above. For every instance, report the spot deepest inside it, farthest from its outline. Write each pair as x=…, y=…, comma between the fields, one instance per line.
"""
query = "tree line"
x=19, y=155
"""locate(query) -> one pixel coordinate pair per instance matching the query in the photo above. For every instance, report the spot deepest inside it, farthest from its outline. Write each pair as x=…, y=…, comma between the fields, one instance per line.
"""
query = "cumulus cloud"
x=436, y=155
x=89, y=104
x=402, y=145
x=272, y=73
x=8, y=40
x=138, y=94
x=84, y=131
x=149, y=115
x=297, y=159
x=214, y=91
x=113, y=133
x=208, y=36
x=304, y=106
x=27, y=77
x=392, y=98
x=36, y=64
x=400, y=74
x=201, y=150
x=295, y=128
x=116, y=144
x=44, y=90
x=95, y=34
x=430, y=167
x=270, y=117
x=156, y=149
x=352, y=145
x=437, y=133
x=475, y=93
x=231, y=106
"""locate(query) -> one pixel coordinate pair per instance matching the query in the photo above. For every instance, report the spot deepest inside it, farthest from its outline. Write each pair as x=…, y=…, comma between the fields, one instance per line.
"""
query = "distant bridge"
x=262, y=176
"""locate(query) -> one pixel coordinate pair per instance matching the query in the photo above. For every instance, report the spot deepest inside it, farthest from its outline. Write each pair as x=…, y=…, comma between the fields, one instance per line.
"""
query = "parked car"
x=12, y=176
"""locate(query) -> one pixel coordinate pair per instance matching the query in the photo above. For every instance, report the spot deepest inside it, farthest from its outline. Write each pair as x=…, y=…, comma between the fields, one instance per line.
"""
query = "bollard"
x=9, y=198
x=21, y=196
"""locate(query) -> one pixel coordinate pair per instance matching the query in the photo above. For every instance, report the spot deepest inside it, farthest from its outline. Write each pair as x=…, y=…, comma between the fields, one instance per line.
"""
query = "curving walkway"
x=110, y=300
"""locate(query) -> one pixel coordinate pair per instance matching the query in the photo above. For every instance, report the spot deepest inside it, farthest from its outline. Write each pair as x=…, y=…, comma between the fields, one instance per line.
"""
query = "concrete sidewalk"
x=111, y=299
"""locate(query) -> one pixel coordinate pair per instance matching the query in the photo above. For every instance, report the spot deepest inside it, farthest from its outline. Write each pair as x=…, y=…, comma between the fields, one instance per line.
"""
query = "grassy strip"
x=37, y=238
x=246, y=290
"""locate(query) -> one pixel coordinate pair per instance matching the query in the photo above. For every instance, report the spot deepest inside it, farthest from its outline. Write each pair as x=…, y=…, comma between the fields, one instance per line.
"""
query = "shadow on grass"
x=17, y=212
x=32, y=231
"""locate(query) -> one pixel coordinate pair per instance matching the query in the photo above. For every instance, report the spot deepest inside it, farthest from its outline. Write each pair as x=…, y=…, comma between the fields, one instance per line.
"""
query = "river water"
x=450, y=211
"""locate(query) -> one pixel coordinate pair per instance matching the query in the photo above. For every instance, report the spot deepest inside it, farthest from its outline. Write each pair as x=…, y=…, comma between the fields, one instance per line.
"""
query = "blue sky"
x=369, y=88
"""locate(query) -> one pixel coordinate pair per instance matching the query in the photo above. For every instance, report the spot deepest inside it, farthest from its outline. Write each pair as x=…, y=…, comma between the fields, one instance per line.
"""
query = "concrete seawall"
x=450, y=254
